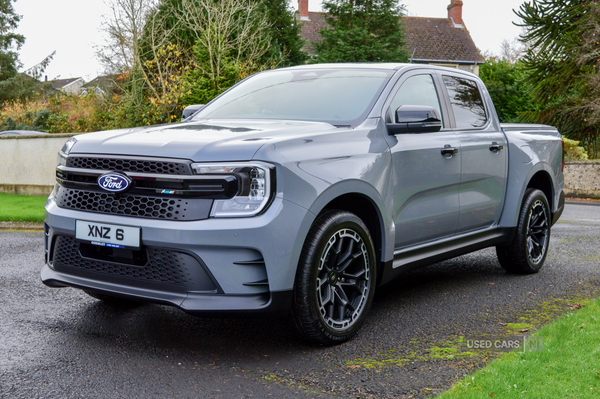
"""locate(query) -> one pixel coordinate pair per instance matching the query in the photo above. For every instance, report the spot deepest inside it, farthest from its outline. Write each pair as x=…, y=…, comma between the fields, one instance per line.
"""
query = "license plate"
x=108, y=235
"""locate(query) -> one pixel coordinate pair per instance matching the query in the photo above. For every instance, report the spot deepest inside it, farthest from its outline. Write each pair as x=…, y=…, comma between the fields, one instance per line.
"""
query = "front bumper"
x=213, y=266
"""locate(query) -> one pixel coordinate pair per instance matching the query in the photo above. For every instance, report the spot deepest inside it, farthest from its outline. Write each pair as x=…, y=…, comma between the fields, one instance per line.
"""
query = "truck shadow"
x=444, y=295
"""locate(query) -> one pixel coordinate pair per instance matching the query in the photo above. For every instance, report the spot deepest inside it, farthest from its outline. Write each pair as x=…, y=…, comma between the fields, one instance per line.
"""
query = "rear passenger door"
x=484, y=153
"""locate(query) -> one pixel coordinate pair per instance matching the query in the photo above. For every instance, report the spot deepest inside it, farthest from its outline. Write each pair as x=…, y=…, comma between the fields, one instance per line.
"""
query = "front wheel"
x=528, y=249
x=335, y=281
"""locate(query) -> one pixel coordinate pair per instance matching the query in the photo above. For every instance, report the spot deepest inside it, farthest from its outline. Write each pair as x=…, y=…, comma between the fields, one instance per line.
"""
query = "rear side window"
x=467, y=103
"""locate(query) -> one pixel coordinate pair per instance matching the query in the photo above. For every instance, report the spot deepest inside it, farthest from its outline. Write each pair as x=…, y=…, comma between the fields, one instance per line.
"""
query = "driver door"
x=425, y=183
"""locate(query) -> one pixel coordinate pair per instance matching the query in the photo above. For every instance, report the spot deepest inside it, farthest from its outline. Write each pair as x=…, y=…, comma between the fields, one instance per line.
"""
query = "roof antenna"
x=413, y=55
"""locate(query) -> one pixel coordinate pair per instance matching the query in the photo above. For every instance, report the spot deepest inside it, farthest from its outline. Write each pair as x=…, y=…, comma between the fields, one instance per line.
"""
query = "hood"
x=205, y=141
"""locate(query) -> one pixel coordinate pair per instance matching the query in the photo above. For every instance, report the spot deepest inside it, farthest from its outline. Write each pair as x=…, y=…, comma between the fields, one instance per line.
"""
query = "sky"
x=72, y=28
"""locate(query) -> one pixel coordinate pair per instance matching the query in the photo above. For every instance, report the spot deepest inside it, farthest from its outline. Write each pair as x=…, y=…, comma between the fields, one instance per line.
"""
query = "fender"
x=516, y=191
x=388, y=229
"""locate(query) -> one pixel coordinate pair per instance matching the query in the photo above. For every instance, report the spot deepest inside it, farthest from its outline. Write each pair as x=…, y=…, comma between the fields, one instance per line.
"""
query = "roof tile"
x=432, y=39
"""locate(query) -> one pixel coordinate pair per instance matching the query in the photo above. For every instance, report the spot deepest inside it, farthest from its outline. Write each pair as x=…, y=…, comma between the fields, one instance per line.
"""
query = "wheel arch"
x=543, y=182
x=370, y=211
x=540, y=177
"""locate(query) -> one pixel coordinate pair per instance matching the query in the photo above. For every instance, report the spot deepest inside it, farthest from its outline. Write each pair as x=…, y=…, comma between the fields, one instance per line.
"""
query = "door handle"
x=449, y=150
x=495, y=147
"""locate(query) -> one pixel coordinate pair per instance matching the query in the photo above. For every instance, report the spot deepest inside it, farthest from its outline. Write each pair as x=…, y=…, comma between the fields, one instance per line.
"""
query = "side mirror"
x=415, y=119
x=190, y=110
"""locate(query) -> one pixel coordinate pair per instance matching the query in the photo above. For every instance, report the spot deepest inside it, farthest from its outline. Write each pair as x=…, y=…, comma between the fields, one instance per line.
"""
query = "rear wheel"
x=528, y=249
x=335, y=282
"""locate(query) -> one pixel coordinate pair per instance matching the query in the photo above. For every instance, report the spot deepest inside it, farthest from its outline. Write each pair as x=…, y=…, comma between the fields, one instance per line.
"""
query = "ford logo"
x=114, y=182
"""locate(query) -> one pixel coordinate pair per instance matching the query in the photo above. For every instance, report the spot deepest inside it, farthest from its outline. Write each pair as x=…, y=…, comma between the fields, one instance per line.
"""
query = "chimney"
x=455, y=12
x=303, y=8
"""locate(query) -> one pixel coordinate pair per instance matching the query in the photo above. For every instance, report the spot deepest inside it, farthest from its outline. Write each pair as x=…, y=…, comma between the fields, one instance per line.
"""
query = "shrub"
x=573, y=152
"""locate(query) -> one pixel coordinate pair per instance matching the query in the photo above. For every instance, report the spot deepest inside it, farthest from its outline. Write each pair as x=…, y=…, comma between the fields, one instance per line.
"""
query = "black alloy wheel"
x=335, y=282
x=538, y=232
x=529, y=247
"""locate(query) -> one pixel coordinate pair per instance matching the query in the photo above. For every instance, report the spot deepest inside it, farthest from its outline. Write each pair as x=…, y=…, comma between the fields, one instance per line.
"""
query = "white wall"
x=28, y=165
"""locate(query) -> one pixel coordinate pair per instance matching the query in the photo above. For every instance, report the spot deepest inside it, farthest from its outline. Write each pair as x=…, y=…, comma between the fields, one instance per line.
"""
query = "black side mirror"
x=190, y=110
x=415, y=119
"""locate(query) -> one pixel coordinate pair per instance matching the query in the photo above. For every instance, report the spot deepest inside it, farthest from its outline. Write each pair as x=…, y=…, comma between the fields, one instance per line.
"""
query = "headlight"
x=61, y=160
x=54, y=193
x=254, y=187
x=65, y=150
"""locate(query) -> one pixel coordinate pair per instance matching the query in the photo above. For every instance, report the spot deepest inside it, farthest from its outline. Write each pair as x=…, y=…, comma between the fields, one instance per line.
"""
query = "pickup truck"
x=301, y=190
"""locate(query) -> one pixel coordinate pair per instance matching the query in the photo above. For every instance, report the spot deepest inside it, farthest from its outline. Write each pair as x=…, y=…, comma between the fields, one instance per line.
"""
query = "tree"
x=124, y=28
x=511, y=51
x=123, y=56
x=26, y=85
x=10, y=42
x=362, y=31
x=285, y=32
x=562, y=64
x=505, y=82
x=16, y=86
x=231, y=39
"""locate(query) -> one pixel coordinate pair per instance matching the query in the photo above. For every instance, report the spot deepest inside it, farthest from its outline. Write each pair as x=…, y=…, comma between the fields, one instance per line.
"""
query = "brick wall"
x=582, y=179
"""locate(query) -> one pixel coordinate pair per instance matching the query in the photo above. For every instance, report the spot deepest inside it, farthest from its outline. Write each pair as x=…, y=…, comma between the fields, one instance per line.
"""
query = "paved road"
x=60, y=343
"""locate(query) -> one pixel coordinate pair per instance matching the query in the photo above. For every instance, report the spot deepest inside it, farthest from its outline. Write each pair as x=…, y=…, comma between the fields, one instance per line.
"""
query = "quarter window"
x=467, y=103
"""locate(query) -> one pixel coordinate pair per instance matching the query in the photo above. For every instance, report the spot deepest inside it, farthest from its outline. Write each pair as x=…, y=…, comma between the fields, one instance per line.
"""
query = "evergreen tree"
x=562, y=63
x=362, y=31
x=10, y=42
x=285, y=32
x=505, y=83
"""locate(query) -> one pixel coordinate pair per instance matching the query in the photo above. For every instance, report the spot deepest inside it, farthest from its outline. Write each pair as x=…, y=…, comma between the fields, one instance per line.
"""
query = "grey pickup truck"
x=301, y=190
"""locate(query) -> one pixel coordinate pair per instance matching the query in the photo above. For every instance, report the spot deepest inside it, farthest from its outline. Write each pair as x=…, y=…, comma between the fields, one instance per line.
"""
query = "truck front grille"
x=149, y=265
x=162, y=188
x=134, y=205
x=130, y=165
x=162, y=265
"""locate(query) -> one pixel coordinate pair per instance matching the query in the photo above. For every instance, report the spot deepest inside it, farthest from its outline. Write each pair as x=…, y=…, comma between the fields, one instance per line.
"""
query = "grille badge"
x=114, y=182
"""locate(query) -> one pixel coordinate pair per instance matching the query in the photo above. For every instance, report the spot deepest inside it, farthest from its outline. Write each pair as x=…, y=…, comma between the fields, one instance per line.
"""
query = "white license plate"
x=108, y=235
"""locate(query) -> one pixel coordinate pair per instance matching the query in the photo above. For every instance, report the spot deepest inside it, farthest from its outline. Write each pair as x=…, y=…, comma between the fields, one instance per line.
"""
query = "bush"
x=573, y=152
x=70, y=114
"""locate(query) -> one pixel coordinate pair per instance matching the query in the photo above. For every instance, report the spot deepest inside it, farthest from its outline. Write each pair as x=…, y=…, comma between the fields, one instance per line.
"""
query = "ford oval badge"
x=114, y=182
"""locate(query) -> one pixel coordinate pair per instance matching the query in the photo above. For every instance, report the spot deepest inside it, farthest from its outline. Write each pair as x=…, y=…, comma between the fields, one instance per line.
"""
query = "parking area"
x=60, y=343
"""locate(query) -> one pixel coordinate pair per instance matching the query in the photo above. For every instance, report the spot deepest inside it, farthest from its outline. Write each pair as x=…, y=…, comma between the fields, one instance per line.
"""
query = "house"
x=436, y=41
x=68, y=86
x=100, y=86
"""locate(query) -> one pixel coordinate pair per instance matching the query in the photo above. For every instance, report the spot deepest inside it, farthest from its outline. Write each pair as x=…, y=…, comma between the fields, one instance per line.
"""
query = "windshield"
x=339, y=97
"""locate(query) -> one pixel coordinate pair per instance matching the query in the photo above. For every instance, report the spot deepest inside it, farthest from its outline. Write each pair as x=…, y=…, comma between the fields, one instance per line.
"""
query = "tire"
x=529, y=247
x=335, y=280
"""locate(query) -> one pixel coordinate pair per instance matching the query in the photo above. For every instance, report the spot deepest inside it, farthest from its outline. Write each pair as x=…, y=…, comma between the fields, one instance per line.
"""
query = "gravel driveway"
x=60, y=343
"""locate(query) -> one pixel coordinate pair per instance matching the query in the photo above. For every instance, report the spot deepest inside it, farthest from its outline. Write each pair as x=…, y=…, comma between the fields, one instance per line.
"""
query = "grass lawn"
x=21, y=208
x=567, y=366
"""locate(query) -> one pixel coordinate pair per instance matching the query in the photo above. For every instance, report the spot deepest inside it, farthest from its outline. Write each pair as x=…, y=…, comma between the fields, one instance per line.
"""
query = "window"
x=466, y=101
x=339, y=96
x=416, y=90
